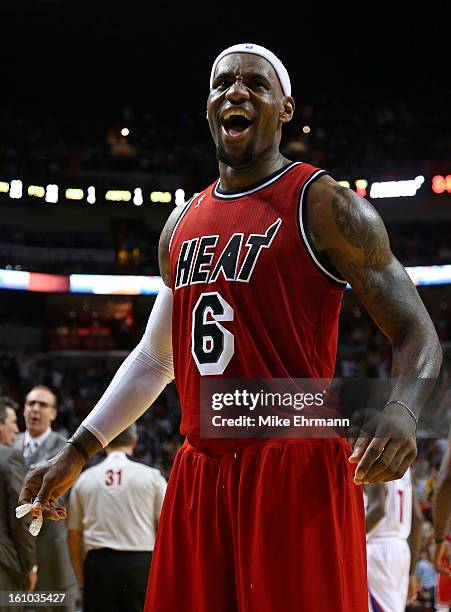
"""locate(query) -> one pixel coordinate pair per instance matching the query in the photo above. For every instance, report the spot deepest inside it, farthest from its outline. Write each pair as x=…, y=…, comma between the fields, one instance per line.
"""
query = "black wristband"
x=80, y=448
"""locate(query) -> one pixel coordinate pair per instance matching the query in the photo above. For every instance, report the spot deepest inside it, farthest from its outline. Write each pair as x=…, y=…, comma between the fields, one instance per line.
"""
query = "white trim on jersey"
x=231, y=196
x=182, y=214
x=304, y=235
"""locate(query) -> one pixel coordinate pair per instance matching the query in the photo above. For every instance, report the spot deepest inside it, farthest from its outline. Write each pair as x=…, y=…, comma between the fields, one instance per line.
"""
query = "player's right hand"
x=44, y=485
x=386, y=447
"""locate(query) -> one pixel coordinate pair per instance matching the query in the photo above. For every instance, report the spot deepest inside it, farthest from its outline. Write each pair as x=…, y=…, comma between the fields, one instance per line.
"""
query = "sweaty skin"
x=248, y=83
x=345, y=228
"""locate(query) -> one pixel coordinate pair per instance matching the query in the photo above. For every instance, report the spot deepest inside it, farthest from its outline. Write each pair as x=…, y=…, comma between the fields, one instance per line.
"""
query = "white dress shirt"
x=30, y=444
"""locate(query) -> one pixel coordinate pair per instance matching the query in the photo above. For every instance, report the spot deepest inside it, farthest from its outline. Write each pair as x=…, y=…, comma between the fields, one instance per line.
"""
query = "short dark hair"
x=125, y=438
x=46, y=388
x=6, y=402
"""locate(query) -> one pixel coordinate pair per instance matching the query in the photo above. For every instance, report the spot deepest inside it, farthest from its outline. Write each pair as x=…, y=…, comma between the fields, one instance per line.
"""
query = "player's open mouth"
x=235, y=124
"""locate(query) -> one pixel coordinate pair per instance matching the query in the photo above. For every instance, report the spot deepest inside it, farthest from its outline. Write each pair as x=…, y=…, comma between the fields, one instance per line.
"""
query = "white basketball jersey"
x=397, y=521
x=117, y=504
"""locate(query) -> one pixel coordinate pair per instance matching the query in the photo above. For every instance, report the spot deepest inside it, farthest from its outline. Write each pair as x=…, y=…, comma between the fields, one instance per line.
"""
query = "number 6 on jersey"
x=212, y=345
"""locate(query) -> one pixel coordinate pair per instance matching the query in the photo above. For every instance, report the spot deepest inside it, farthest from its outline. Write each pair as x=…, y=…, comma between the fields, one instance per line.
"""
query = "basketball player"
x=442, y=514
x=254, y=271
x=393, y=526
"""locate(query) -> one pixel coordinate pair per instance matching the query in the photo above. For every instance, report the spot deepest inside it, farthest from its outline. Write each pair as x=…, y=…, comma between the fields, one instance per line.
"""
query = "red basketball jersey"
x=251, y=298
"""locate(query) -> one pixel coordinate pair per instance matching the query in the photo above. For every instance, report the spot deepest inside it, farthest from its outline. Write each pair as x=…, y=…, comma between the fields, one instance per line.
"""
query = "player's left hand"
x=386, y=446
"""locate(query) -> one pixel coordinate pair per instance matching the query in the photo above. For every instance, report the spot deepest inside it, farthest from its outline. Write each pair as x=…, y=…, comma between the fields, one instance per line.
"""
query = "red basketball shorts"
x=443, y=591
x=276, y=527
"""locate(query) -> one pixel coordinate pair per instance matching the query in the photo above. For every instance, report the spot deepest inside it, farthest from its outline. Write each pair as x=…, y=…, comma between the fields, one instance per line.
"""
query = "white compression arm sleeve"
x=141, y=377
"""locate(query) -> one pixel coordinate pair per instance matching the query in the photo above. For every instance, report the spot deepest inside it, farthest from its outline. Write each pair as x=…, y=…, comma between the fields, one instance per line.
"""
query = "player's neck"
x=238, y=178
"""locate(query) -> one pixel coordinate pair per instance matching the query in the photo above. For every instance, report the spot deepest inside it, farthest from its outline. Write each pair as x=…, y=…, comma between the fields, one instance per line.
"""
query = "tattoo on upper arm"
x=373, y=272
x=357, y=226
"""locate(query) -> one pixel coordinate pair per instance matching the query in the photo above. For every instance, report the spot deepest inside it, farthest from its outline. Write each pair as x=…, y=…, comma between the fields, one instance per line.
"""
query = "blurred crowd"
x=424, y=476
x=130, y=248
x=363, y=351
x=78, y=385
x=358, y=139
x=124, y=247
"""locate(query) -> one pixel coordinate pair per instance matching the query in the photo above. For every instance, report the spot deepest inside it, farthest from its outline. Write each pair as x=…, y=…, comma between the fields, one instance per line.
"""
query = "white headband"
x=275, y=62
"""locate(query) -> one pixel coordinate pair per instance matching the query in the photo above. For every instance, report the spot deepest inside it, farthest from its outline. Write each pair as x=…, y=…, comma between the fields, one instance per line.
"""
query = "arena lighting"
x=125, y=131
x=11, y=279
x=161, y=196
x=36, y=191
x=149, y=285
x=430, y=275
x=74, y=194
x=15, y=190
x=382, y=189
x=179, y=197
x=138, y=196
x=440, y=183
x=116, y=195
x=103, y=284
x=34, y=282
x=396, y=189
x=91, y=195
x=361, y=185
x=51, y=194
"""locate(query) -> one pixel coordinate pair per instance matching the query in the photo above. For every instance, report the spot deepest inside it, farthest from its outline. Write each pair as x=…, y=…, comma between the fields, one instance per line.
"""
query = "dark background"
x=92, y=55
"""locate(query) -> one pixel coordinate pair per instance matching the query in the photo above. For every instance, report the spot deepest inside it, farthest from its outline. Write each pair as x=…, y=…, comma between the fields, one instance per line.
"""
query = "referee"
x=114, y=510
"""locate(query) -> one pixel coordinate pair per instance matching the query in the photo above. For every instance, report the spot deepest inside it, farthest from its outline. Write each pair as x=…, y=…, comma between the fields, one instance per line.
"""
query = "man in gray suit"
x=17, y=545
x=39, y=443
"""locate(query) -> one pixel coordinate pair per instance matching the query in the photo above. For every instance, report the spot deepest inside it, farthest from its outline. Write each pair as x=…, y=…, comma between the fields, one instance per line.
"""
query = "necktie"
x=29, y=449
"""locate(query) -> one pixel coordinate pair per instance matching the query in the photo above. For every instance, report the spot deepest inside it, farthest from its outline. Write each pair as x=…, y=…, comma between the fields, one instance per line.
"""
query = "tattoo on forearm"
x=379, y=295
